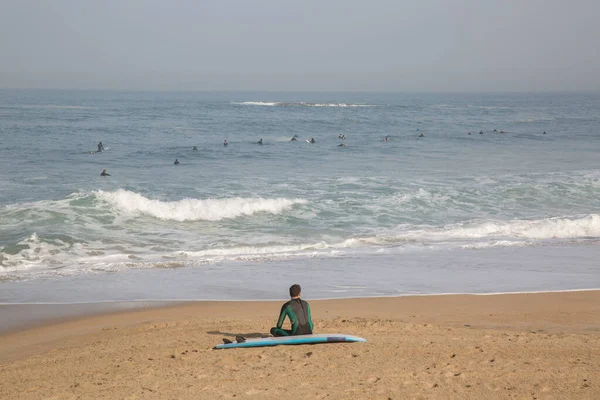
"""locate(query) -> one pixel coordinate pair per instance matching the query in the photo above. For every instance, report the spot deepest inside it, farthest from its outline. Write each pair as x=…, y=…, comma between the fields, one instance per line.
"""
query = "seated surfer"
x=260, y=141
x=225, y=142
x=195, y=148
x=298, y=311
x=100, y=147
x=104, y=173
x=481, y=132
x=176, y=162
x=312, y=140
x=544, y=133
x=294, y=139
x=421, y=135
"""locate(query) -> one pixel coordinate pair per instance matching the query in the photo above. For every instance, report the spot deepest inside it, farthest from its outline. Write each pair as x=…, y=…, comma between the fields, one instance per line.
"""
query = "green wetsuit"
x=298, y=311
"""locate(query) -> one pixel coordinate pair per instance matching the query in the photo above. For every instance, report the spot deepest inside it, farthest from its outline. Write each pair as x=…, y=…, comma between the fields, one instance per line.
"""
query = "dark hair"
x=295, y=290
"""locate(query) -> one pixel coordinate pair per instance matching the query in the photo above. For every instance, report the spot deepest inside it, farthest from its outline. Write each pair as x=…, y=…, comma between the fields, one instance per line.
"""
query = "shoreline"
x=17, y=317
x=544, y=345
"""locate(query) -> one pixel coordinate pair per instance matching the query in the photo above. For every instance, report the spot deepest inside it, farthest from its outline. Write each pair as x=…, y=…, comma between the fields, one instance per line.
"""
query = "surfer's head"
x=295, y=290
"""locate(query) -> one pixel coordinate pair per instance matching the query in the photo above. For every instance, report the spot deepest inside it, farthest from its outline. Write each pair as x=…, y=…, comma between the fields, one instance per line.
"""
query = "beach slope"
x=530, y=346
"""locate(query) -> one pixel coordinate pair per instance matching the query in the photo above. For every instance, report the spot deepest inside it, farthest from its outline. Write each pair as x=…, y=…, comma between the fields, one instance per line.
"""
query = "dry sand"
x=530, y=346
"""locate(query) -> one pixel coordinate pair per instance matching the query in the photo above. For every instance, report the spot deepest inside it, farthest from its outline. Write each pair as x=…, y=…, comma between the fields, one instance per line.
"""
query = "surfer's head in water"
x=225, y=142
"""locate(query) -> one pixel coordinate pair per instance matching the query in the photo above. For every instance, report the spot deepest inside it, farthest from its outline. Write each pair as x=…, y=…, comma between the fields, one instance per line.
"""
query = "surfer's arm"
x=309, y=318
x=282, y=315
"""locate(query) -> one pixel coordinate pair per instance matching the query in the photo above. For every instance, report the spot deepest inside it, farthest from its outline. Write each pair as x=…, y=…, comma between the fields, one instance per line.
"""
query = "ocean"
x=432, y=209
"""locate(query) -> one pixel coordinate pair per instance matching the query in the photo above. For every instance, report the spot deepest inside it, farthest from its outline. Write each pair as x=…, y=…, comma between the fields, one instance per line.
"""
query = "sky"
x=325, y=45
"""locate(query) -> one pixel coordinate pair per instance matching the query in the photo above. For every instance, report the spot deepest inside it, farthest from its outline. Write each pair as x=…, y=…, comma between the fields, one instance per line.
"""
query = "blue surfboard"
x=289, y=340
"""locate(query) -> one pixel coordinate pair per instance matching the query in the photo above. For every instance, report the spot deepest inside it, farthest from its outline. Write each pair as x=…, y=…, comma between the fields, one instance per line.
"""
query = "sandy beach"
x=523, y=346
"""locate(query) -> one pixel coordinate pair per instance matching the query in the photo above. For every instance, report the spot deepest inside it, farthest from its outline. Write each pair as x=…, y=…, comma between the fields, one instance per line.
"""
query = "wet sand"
x=540, y=345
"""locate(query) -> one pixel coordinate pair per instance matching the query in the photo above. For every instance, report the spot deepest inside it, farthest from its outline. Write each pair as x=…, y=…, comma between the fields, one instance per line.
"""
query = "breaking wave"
x=549, y=228
x=195, y=209
x=300, y=104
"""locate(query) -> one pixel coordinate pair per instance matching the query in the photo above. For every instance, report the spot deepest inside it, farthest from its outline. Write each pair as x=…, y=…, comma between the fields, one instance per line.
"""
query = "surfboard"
x=292, y=340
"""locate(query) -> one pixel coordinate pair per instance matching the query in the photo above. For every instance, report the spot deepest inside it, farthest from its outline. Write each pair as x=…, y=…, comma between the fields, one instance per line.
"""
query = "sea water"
x=509, y=210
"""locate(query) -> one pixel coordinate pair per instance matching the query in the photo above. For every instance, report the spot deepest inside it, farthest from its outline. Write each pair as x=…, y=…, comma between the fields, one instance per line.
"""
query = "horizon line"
x=591, y=91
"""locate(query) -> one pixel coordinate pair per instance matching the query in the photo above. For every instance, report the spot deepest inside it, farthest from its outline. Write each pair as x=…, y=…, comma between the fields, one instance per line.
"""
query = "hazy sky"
x=325, y=45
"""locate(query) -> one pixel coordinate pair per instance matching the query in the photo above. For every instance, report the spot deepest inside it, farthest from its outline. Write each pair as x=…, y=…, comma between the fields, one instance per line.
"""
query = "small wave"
x=33, y=252
x=549, y=228
x=49, y=106
x=300, y=104
x=259, y=103
x=495, y=243
x=195, y=209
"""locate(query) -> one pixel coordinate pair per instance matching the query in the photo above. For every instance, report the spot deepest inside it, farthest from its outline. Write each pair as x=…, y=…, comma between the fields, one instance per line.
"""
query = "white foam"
x=549, y=228
x=195, y=209
x=36, y=254
x=300, y=104
x=495, y=243
x=259, y=103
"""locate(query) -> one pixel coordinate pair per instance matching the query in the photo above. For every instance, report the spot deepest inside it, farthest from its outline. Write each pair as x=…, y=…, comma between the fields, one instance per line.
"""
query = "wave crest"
x=549, y=228
x=195, y=209
x=300, y=104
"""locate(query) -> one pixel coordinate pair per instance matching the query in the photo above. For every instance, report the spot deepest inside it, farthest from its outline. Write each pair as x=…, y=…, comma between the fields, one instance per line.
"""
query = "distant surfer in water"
x=341, y=145
x=225, y=142
x=294, y=139
x=481, y=132
x=312, y=140
x=298, y=311
x=195, y=148
x=544, y=133
x=176, y=162
x=104, y=173
x=100, y=147
x=421, y=135
x=260, y=141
